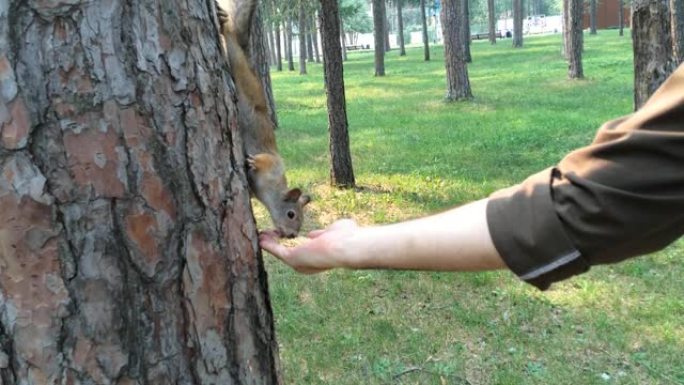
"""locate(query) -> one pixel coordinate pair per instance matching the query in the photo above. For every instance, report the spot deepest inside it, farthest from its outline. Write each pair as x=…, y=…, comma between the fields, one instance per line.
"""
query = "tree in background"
x=341, y=170
x=517, y=23
x=355, y=19
x=259, y=62
x=458, y=84
x=302, y=36
x=491, y=21
x=466, y=31
x=379, y=34
x=592, y=17
x=652, y=39
x=677, y=24
x=400, y=29
x=426, y=39
x=621, y=17
x=575, y=39
x=314, y=37
x=129, y=251
x=288, y=45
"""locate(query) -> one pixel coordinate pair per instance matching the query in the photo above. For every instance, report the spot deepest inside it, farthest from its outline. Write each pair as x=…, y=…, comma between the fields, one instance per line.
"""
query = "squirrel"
x=265, y=167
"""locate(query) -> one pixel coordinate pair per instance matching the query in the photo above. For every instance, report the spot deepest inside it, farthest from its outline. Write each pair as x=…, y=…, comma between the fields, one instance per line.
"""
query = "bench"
x=478, y=36
x=355, y=47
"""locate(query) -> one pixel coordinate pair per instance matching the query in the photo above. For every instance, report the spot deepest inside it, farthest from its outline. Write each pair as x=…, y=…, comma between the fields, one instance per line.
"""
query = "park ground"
x=414, y=155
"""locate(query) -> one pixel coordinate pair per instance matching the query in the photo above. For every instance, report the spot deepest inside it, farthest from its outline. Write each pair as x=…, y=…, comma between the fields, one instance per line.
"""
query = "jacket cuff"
x=528, y=234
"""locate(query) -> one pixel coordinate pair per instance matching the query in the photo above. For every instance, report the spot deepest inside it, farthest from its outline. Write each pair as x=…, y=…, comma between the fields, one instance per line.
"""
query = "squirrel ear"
x=293, y=195
x=304, y=200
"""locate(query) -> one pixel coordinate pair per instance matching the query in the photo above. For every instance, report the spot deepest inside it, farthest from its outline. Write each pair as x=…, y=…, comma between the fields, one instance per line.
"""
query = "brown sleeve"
x=620, y=197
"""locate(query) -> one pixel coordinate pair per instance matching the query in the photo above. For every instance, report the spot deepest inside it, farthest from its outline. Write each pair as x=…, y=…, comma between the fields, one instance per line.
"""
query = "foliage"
x=414, y=155
x=354, y=14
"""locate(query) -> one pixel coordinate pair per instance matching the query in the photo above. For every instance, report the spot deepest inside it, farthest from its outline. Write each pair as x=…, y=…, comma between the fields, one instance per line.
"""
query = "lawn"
x=414, y=155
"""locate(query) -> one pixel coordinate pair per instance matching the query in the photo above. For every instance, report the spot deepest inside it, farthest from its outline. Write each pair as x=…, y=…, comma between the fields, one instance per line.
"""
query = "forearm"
x=455, y=240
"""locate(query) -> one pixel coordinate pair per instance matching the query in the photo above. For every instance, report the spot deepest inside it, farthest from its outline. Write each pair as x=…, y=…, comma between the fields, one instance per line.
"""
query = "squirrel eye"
x=291, y=214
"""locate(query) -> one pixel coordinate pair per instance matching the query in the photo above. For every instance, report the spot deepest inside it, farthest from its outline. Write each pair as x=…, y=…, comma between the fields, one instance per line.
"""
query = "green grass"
x=414, y=155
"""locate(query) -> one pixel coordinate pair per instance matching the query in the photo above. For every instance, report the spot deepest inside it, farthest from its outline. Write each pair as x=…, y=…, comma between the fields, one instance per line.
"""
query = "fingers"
x=316, y=233
x=269, y=242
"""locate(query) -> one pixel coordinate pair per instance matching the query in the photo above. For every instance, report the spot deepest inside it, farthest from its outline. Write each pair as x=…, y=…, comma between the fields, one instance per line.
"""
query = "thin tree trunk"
x=129, y=251
x=400, y=22
x=309, y=40
x=677, y=25
x=379, y=34
x=566, y=29
x=517, y=23
x=302, y=39
x=271, y=47
x=491, y=18
x=651, y=34
x=592, y=17
x=288, y=48
x=386, y=28
x=259, y=63
x=341, y=171
x=575, y=39
x=279, y=50
x=426, y=39
x=314, y=36
x=621, y=16
x=343, y=39
x=465, y=22
x=458, y=84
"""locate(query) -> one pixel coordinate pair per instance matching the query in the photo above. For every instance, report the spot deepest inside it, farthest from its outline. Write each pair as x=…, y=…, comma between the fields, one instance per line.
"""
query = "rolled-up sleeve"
x=619, y=197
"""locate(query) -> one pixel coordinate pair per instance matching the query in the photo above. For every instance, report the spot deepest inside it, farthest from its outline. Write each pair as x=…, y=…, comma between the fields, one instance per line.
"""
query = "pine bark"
x=491, y=18
x=677, y=25
x=341, y=170
x=400, y=33
x=128, y=247
x=575, y=41
x=458, y=84
x=517, y=23
x=426, y=39
x=651, y=35
x=379, y=35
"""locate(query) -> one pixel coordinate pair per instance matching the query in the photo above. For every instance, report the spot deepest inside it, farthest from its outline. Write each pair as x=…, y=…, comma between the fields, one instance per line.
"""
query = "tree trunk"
x=341, y=171
x=302, y=39
x=575, y=40
x=129, y=250
x=677, y=25
x=279, y=49
x=465, y=23
x=314, y=36
x=426, y=39
x=386, y=28
x=400, y=33
x=491, y=18
x=379, y=34
x=271, y=46
x=343, y=39
x=260, y=62
x=458, y=84
x=592, y=17
x=621, y=17
x=651, y=34
x=517, y=23
x=288, y=48
x=566, y=29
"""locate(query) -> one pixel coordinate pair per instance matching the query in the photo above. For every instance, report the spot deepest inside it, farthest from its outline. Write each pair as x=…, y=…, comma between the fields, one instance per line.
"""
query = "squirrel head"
x=287, y=212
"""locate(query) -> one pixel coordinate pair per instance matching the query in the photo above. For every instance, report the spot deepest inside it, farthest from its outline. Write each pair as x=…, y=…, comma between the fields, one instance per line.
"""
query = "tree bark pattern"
x=341, y=171
x=575, y=41
x=677, y=25
x=129, y=251
x=651, y=35
x=458, y=84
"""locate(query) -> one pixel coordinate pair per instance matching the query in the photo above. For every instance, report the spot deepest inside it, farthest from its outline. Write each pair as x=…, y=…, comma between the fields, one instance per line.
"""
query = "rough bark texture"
x=517, y=23
x=302, y=39
x=575, y=39
x=426, y=39
x=677, y=25
x=458, y=84
x=379, y=34
x=259, y=62
x=341, y=170
x=128, y=249
x=491, y=18
x=651, y=35
x=400, y=32
x=592, y=17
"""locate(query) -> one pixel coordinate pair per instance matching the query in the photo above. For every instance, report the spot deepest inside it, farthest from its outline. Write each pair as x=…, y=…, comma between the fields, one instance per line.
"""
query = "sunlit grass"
x=413, y=155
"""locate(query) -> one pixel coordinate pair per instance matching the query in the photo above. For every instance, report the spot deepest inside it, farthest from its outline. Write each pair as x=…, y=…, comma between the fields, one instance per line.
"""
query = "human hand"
x=325, y=249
